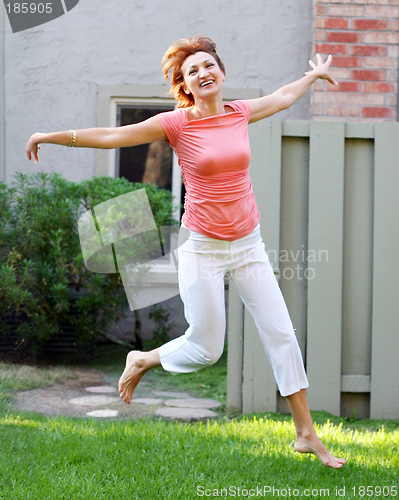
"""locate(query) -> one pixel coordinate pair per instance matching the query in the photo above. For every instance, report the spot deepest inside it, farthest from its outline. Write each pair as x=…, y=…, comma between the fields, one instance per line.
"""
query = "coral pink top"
x=214, y=158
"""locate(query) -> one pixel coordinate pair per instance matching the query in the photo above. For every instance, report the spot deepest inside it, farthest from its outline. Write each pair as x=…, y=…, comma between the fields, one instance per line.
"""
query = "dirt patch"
x=56, y=399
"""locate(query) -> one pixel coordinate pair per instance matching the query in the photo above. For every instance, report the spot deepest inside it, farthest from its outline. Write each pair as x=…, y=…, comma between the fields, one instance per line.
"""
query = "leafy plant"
x=160, y=316
x=43, y=278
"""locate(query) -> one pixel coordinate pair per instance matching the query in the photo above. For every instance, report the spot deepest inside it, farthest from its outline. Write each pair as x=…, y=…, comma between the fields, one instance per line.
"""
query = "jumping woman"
x=210, y=139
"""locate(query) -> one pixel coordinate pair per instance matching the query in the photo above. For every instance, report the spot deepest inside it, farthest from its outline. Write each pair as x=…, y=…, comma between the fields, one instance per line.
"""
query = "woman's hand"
x=32, y=146
x=321, y=69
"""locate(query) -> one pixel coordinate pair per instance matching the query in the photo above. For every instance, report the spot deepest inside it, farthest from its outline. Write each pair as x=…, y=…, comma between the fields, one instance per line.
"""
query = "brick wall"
x=363, y=38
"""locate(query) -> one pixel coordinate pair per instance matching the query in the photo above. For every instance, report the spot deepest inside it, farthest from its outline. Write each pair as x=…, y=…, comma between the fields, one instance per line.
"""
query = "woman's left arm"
x=285, y=96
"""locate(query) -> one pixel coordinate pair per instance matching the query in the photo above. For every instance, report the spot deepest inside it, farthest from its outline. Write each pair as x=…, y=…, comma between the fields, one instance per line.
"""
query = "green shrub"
x=162, y=326
x=43, y=278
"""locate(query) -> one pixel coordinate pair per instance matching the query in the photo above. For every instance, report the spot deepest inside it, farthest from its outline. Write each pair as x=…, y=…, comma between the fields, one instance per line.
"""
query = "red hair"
x=173, y=61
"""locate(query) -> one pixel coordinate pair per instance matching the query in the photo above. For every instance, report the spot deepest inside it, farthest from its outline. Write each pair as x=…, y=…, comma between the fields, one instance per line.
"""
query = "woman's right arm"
x=101, y=138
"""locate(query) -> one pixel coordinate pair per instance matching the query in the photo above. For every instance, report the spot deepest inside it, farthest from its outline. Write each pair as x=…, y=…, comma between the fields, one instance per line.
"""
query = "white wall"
x=52, y=72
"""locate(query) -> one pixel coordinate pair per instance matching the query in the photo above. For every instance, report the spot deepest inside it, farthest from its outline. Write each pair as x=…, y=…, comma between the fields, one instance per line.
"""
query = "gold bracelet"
x=73, y=139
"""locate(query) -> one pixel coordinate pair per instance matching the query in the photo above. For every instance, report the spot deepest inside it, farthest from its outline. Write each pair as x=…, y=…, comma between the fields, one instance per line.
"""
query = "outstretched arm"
x=285, y=96
x=101, y=138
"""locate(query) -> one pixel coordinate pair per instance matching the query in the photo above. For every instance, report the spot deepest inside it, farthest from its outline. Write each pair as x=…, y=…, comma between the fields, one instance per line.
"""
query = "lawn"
x=64, y=458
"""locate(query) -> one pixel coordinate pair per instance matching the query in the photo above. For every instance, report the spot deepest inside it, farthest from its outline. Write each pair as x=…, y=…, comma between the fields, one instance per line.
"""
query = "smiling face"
x=202, y=75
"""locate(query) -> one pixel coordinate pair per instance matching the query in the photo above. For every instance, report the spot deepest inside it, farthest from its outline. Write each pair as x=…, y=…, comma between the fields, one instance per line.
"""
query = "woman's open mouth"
x=205, y=84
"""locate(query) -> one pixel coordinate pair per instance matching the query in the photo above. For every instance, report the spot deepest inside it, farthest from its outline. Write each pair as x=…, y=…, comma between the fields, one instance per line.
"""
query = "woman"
x=221, y=218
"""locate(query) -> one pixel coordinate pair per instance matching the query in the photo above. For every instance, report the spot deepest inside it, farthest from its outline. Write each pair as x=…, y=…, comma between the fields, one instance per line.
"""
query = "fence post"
x=384, y=400
x=234, y=350
x=326, y=196
x=259, y=386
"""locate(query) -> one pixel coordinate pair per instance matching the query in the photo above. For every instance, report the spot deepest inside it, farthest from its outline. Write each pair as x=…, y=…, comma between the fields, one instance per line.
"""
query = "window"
x=155, y=163
x=148, y=162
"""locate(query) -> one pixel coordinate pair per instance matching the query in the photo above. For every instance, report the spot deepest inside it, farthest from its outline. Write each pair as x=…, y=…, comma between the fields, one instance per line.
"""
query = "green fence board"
x=326, y=192
x=385, y=325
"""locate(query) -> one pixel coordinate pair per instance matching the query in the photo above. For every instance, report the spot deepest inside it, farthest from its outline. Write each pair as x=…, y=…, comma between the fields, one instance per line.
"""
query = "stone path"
x=81, y=398
x=183, y=407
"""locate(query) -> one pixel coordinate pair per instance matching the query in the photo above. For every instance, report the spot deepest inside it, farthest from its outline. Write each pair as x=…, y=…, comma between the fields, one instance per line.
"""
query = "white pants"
x=202, y=264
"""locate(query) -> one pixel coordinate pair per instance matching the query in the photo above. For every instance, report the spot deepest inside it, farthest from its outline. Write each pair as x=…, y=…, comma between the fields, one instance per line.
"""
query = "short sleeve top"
x=214, y=157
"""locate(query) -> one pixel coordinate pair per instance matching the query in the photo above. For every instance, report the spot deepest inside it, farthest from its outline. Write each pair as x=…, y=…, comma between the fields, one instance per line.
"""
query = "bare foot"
x=314, y=445
x=132, y=374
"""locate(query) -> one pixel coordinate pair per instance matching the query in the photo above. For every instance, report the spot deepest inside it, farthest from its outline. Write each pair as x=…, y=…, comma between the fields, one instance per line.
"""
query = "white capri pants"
x=202, y=264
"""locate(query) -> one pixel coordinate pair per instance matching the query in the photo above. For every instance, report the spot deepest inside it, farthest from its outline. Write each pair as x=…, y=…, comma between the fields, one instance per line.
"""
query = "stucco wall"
x=52, y=72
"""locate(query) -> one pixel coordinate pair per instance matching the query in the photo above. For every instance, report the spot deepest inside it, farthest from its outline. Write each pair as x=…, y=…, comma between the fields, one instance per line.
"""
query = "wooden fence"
x=328, y=195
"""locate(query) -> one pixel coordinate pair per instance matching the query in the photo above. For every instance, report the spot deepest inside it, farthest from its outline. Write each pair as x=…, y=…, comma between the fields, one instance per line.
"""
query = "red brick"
x=373, y=75
x=367, y=99
x=381, y=88
x=394, y=24
x=332, y=48
x=342, y=110
x=379, y=62
x=320, y=35
x=377, y=112
x=320, y=22
x=330, y=97
x=393, y=51
x=321, y=10
x=340, y=74
x=347, y=87
x=391, y=100
x=336, y=23
x=317, y=109
x=369, y=50
x=392, y=75
x=370, y=24
x=372, y=2
x=381, y=37
x=319, y=85
x=335, y=1
x=346, y=11
x=346, y=62
x=375, y=12
x=344, y=37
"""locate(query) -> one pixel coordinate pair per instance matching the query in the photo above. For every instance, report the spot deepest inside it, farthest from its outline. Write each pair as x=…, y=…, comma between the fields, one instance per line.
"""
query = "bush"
x=43, y=278
x=162, y=326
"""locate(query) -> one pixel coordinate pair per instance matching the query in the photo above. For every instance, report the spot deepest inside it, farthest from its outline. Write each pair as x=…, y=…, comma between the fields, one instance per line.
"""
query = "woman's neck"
x=202, y=109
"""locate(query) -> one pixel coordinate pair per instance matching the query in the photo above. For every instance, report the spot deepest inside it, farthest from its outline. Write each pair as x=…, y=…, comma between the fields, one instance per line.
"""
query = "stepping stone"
x=193, y=403
x=102, y=413
x=101, y=389
x=94, y=400
x=185, y=414
x=148, y=401
x=170, y=394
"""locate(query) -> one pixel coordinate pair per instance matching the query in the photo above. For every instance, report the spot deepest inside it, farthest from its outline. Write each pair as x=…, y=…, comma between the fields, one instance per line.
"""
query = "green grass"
x=63, y=458
x=24, y=377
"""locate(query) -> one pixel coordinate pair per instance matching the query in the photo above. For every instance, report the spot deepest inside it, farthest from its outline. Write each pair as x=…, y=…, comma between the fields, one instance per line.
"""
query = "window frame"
x=113, y=159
